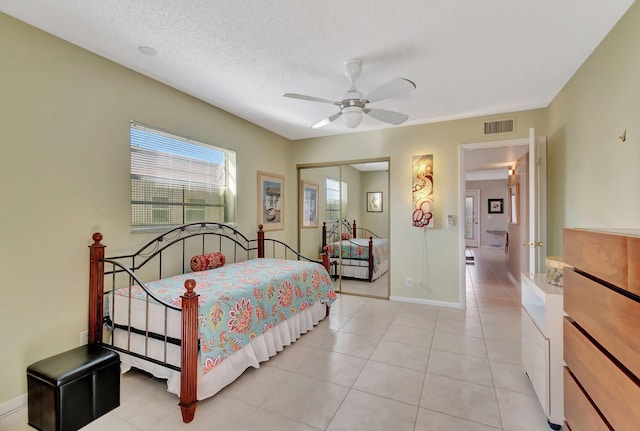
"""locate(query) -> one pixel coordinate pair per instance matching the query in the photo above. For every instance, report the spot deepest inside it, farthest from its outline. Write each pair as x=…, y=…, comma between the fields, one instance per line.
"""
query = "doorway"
x=500, y=155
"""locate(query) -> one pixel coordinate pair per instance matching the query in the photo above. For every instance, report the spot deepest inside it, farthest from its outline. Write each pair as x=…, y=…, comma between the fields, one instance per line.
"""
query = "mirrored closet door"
x=344, y=205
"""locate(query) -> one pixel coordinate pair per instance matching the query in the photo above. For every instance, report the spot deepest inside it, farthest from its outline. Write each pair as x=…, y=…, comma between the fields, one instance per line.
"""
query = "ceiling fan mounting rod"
x=352, y=69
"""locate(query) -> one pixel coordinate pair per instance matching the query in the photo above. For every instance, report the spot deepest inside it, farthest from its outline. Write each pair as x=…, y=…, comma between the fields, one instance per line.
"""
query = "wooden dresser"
x=602, y=329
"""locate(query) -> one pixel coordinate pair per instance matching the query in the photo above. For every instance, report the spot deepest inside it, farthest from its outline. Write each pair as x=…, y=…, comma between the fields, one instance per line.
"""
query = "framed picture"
x=496, y=206
x=270, y=201
x=374, y=202
x=309, y=201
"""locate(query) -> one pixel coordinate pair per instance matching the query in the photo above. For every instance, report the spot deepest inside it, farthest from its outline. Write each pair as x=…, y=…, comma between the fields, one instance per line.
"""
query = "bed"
x=201, y=303
x=363, y=254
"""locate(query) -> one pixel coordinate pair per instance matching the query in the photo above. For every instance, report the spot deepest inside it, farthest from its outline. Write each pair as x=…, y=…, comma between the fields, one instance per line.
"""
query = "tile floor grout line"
x=495, y=393
x=477, y=305
x=426, y=370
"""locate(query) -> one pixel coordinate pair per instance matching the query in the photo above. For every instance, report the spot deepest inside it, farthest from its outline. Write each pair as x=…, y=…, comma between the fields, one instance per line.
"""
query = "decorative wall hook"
x=623, y=137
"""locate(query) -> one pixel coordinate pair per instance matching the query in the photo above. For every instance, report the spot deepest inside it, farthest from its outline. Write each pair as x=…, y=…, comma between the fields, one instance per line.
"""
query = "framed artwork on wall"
x=374, y=202
x=270, y=201
x=309, y=202
x=496, y=206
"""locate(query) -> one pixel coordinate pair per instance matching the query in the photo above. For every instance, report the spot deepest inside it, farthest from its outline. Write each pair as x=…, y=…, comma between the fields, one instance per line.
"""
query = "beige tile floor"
x=378, y=288
x=372, y=365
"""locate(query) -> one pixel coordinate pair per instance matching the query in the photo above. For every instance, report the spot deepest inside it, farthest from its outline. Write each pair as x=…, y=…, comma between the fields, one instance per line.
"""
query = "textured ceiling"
x=467, y=58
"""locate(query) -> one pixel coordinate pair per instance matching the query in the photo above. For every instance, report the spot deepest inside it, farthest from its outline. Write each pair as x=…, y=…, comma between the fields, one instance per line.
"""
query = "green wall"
x=593, y=176
x=64, y=172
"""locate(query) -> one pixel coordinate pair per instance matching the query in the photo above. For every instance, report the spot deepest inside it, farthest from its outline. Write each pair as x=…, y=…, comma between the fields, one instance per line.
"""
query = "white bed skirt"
x=360, y=268
x=259, y=350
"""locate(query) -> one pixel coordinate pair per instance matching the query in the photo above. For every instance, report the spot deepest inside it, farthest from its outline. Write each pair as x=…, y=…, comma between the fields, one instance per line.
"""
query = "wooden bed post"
x=260, y=241
x=326, y=262
x=324, y=234
x=370, y=256
x=96, y=288
x=355, y=232
x=189, y=353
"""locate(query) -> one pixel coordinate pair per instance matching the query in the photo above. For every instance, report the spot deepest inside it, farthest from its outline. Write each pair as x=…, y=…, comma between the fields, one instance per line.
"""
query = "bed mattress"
x=248, y=311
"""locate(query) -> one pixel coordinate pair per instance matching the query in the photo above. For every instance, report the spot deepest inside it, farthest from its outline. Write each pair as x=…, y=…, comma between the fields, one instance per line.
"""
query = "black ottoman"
x=69, y=390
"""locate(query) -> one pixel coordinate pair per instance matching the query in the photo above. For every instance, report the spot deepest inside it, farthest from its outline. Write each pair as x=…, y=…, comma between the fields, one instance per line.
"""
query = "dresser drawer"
x=612, y=391
x=608, y=256
x=608, y=316
x=634, y=265
x=578, y=410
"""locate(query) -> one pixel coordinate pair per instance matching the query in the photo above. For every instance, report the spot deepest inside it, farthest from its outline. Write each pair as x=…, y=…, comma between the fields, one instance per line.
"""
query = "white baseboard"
x=427, y=302
x=513, y=280
x=10, y=406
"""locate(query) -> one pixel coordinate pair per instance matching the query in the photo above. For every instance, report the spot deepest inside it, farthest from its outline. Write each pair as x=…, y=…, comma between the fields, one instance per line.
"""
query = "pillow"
x=345, y=236
x=202, y=262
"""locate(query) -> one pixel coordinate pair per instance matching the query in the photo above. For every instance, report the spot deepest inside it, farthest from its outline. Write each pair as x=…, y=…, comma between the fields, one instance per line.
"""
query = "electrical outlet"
x=409, y=282
x=84, y=338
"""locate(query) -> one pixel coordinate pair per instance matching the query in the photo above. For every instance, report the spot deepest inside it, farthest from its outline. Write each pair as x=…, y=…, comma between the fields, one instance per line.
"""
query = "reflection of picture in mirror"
x=309, y=205
x=374, y=201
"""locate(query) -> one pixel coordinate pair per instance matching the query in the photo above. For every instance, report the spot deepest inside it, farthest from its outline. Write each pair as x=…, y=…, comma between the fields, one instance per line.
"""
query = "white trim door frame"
x=539, y=215
x=537, y=203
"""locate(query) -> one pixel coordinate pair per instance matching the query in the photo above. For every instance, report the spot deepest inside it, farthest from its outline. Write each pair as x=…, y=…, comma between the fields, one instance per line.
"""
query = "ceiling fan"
x=354, y=103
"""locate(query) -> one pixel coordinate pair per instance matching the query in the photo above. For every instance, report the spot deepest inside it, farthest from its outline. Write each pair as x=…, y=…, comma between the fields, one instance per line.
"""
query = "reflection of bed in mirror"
x=364, y=254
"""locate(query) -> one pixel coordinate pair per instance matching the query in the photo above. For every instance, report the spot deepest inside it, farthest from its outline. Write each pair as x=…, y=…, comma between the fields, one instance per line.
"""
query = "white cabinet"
x=541, y=338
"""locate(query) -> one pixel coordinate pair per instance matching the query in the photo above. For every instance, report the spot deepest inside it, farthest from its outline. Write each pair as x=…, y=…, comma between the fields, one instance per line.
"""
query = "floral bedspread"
x=358, y=248
x=242, y=300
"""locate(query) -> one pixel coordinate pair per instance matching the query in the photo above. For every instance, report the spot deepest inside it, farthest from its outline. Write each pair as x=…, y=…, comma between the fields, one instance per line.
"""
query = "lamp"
x=511, y=171
x=352, y=116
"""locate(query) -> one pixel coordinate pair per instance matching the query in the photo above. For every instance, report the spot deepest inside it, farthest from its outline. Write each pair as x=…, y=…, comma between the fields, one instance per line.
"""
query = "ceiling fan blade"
x=397, y=87
x=327, y=120
x=390, y=117
x=310, y=98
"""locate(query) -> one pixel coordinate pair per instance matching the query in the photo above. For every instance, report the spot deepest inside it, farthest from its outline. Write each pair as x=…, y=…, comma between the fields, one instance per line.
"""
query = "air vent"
x=499, y=126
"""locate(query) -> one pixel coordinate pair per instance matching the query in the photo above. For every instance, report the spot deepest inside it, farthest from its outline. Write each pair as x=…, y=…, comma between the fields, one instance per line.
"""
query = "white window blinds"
x=175, y=180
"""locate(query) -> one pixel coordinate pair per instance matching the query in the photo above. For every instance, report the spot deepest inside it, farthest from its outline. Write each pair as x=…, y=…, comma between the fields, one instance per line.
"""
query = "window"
x=336, y=199
x=176, y=180
x=195, y=212
x=160, y=213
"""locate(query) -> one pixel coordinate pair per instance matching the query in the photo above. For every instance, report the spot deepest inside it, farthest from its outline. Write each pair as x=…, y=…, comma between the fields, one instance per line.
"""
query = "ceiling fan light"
x=352, y=116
